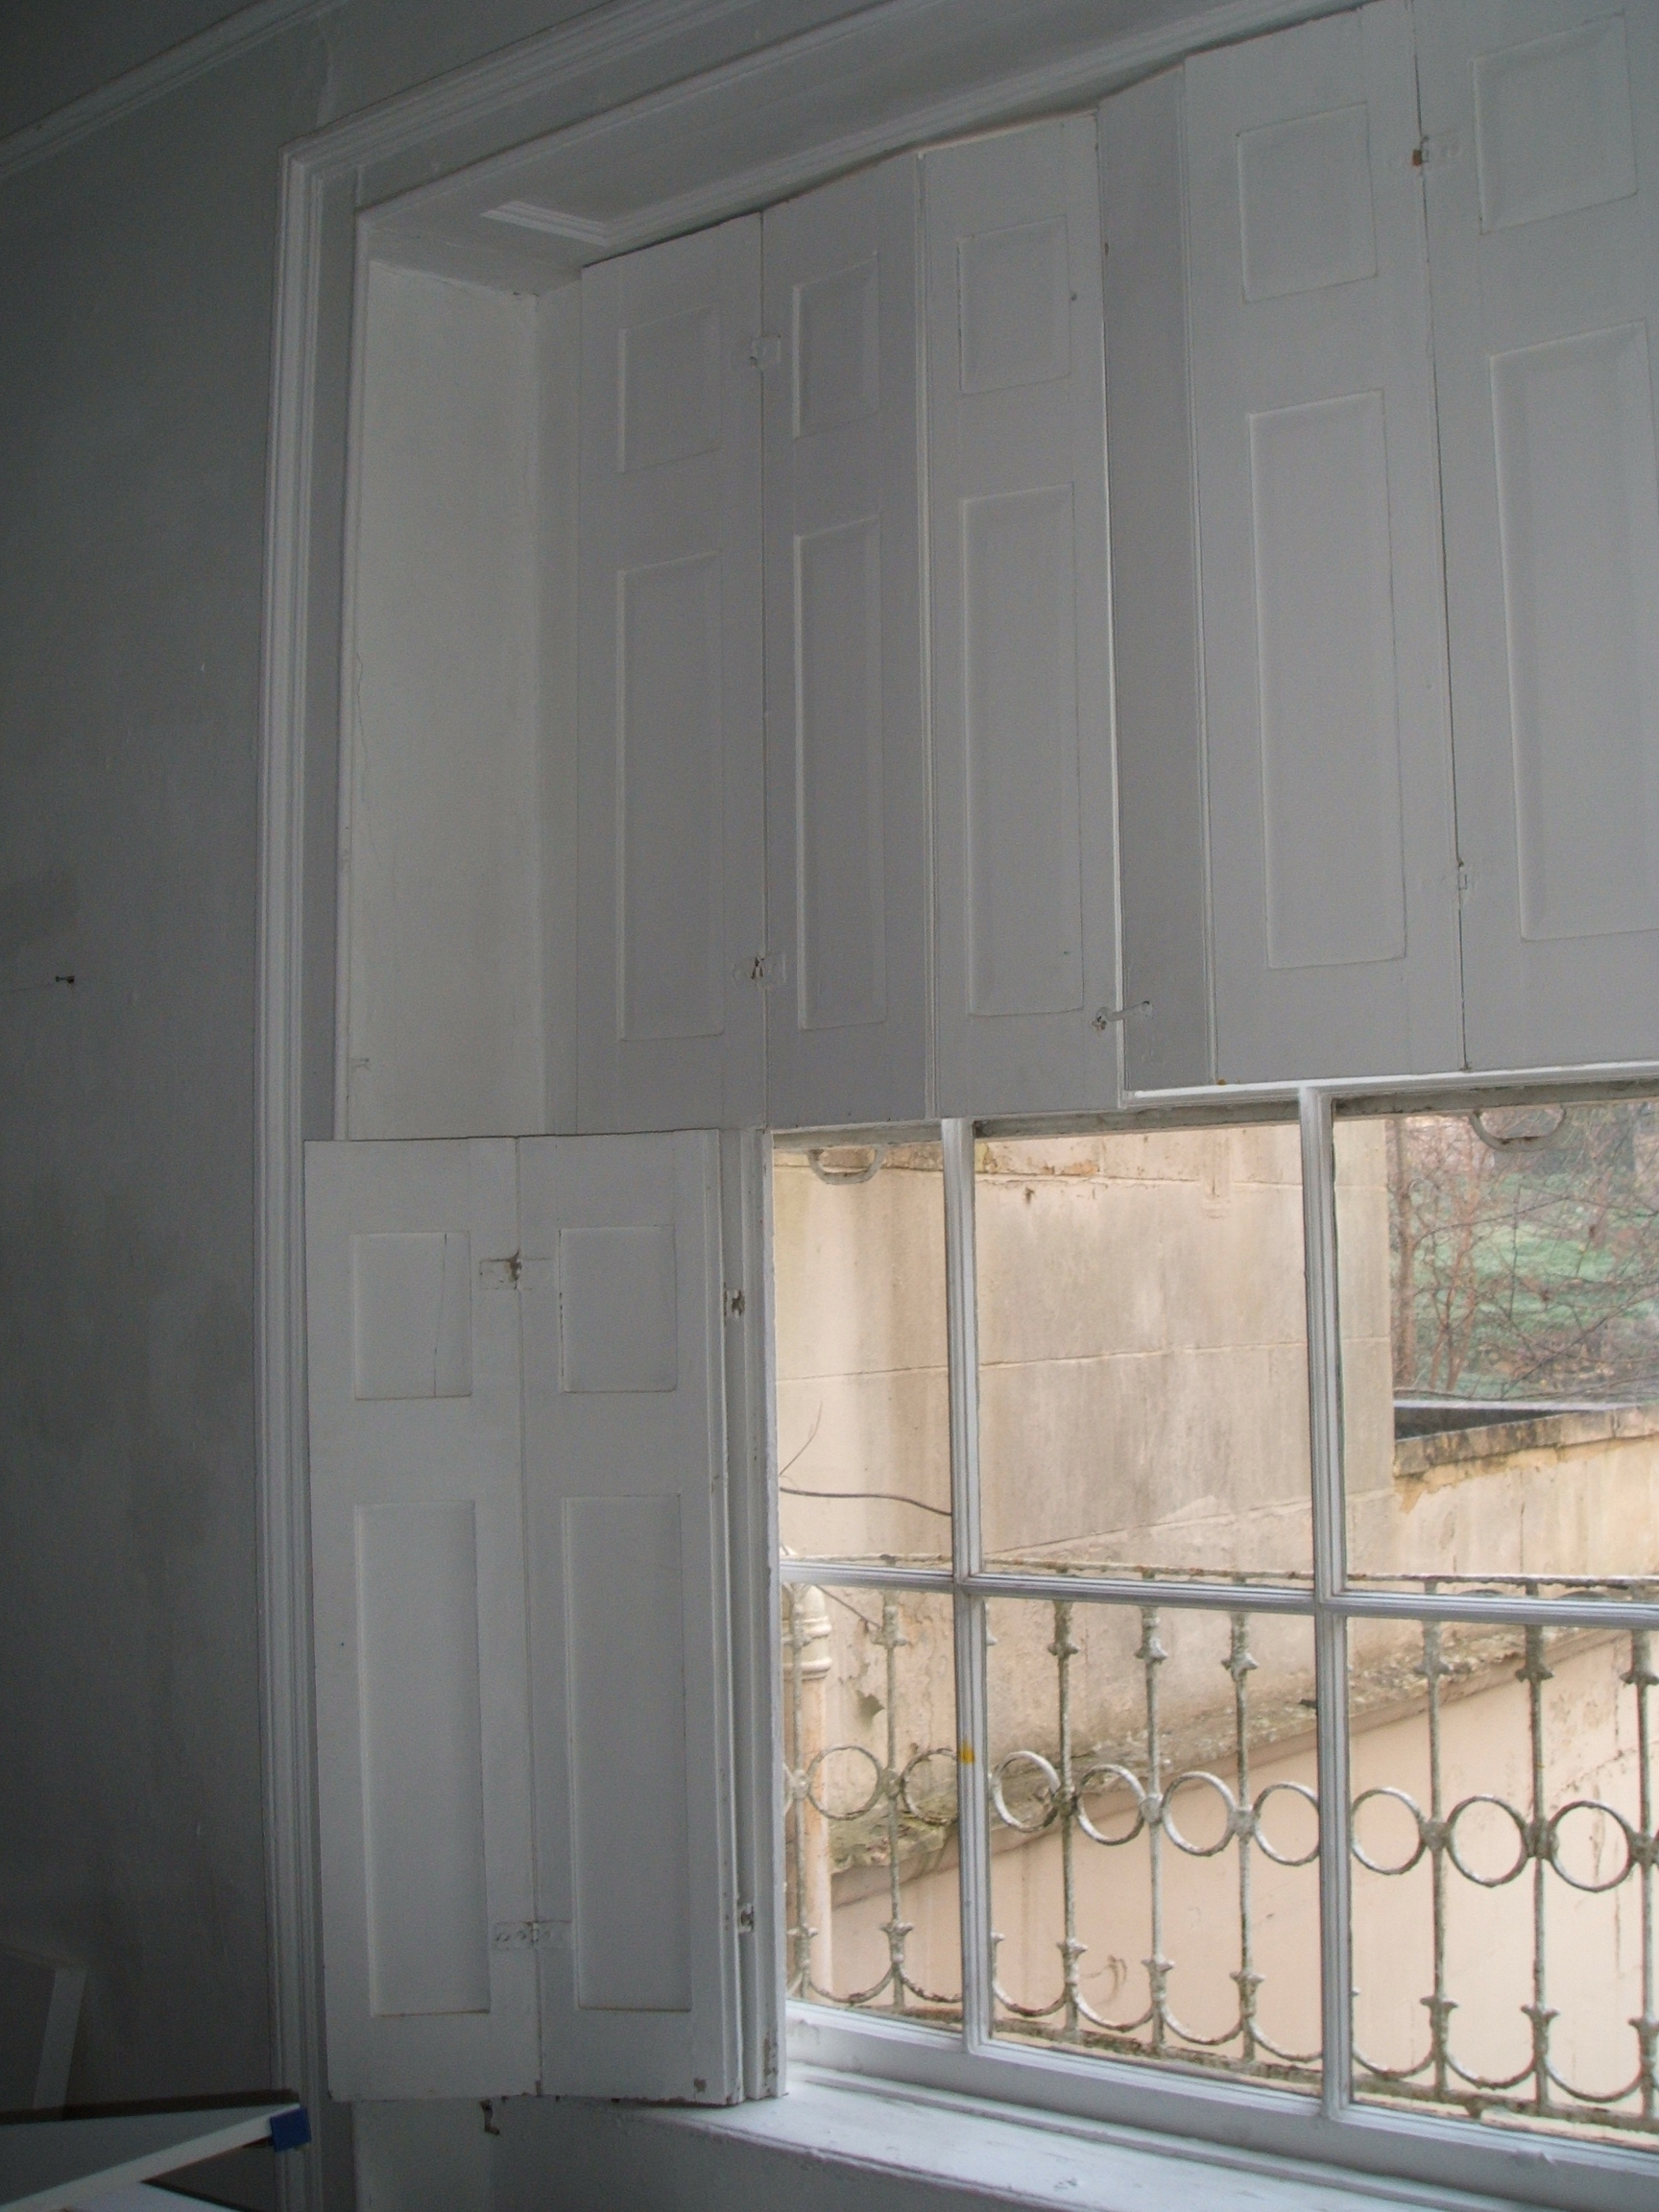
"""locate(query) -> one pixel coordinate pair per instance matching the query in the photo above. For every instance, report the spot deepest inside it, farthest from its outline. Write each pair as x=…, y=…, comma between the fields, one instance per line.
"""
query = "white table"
x=107, y=2162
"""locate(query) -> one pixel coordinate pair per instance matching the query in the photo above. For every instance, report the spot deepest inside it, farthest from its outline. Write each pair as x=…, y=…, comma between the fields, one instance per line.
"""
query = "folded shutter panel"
x=1025, y=891
x=626, y=1495
x=416, y=1535
x=1541, y=125
x=1332, y=862
x=847, y=762
x=671, y=807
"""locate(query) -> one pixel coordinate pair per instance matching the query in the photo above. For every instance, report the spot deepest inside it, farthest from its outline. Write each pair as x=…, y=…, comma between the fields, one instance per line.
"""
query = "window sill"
x=1010, y=2156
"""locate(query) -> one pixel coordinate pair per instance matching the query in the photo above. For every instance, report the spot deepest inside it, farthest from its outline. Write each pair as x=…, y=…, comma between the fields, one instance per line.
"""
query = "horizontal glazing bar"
x=1495, y=1607
x=866, y=1574
x=1414, y=1091
x=853, y=1133
x=1492, y=1603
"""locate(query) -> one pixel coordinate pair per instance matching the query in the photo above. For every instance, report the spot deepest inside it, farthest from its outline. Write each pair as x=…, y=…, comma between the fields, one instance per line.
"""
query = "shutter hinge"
x=733, y=1305
x=745, y=1917
x=1435, y=153
x=521, y=1935
x=766, y=351
x=1465, y=880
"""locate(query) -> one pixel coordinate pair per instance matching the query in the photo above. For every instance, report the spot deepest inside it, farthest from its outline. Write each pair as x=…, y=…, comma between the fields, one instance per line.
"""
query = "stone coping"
x=1532, y=1432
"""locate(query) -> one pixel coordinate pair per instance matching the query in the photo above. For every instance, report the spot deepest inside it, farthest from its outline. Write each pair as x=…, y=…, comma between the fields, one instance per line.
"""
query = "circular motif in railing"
x=1048, y=1797
x=845, y=1162
x=809, y=1780
x=1552, y=1844
x=944, y=1795
x=1197, y=1776
x=1606, y=2099
x=1089, y=1784
x=1522, y=1854
x=1420, y=1842
x=1288, y=1789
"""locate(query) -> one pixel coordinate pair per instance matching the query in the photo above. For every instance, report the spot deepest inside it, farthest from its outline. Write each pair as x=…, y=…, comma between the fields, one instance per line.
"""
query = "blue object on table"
x=290, y=2130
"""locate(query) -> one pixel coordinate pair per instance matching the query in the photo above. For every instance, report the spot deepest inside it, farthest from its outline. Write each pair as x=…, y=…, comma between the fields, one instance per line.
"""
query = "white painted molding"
x=528, y=216
x=153, y=79
x=292, y=1897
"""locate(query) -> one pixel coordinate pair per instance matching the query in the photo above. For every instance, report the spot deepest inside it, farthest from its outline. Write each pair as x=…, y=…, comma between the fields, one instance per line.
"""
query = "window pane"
x=1155, y=1834
x=863, y=1398
x=1143, y=1351
x=871, y=1904
x=1500, y=1285
x=1503, y=1782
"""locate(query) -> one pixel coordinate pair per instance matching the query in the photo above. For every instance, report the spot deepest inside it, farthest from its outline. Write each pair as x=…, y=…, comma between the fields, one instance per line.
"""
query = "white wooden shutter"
x=416, y=1536
x=625, y=1476
x=1541, y=125
x=670, y=1023
x=1162, y=842
x=1021, y=673
x=1332, y=866
x=847, y=764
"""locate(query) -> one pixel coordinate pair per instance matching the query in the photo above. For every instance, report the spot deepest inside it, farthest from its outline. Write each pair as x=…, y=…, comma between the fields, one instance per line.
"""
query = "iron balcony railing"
x=907, y=1813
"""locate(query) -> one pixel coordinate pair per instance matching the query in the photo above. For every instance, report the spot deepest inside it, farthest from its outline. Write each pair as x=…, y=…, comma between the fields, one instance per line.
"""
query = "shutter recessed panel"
x=1161, y=834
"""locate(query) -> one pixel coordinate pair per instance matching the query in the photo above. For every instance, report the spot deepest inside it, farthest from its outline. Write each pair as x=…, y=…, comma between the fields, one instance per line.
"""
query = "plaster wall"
x=54, y=55
x=134, y=374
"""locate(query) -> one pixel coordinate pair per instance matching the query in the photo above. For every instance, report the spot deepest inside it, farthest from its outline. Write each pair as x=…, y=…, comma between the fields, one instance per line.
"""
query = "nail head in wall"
x=52, y=983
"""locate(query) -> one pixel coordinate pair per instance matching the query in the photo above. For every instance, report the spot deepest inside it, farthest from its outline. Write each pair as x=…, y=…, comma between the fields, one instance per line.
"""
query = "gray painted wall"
x=135, y=375
x=51, y=54
x=132, y=377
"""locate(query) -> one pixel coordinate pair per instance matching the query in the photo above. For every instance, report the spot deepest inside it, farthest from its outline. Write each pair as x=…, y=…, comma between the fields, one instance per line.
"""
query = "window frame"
x=1332, y=2126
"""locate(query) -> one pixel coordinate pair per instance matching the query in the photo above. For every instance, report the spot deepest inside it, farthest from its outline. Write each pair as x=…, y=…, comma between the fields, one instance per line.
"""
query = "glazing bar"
x=972, y=1831
x=863, y=1575
x=1329, y=1574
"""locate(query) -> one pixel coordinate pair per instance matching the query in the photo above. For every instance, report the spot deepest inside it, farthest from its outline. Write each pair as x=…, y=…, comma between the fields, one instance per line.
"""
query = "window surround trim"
x=1289, y=2128
x=329, y=182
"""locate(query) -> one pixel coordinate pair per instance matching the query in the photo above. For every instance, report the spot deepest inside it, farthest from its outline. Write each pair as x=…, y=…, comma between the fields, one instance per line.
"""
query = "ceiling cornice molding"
x=599, y=36
x=153, y=80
